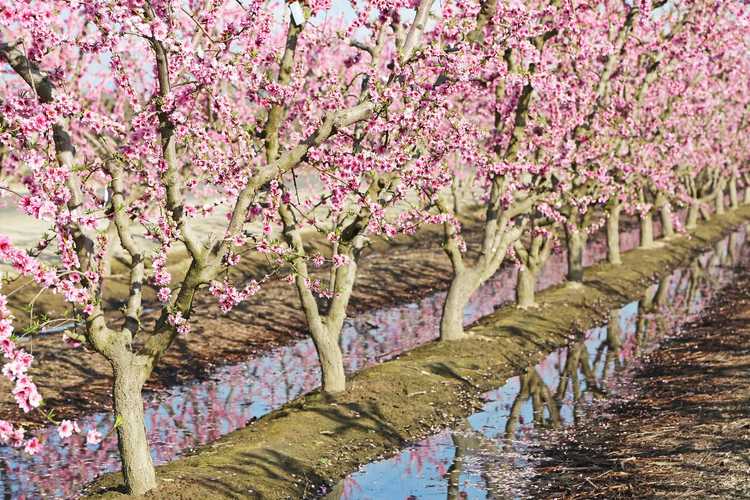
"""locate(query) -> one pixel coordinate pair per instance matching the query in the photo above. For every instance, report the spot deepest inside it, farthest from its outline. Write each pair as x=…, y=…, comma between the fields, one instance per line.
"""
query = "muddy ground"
x=314, y=441
x=684, y=429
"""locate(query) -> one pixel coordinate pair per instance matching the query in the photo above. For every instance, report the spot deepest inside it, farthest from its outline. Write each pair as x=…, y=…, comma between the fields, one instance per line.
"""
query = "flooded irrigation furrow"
x=191, y=415
x=491, y=454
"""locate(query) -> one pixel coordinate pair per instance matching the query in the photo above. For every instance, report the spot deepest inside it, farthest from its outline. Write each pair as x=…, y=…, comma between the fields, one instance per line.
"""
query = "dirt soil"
x=314, y=441
x=686, y=431
x=76, y=382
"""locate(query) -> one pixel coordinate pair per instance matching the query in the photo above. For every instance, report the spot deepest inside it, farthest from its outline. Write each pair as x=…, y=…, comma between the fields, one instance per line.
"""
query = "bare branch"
x=416, y=30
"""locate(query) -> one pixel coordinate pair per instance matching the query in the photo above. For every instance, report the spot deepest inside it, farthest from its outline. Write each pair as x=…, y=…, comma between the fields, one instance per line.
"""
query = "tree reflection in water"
x=194, y=414
x=491, y=452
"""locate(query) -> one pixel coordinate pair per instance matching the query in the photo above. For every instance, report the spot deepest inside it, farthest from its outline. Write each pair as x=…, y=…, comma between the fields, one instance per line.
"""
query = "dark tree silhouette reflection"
x=491, y=453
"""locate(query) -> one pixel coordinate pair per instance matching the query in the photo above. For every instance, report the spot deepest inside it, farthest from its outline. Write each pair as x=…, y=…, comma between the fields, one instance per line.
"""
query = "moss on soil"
x=314, y=441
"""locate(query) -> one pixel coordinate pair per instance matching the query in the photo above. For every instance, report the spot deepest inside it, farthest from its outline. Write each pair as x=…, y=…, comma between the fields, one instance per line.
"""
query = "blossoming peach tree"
x=568, y=104
x=125, y=123
x=377, y=180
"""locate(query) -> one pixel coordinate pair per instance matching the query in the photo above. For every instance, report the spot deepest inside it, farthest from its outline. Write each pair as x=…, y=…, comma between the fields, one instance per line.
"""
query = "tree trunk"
x=456, y=192
x=576, y=242
x=613, y=235
x=331, y=360
x=662, y=292
x=460, y=442
x=693, y=213
x=614, y=342
x=747, y=195
x=329, y=349
x=733, y=197
x=647, y=230
x=667, y=225
x=325, y=332
x=733, y=249
x=137, y=466
x=719, y=201
x=459, y=292
x=525, y=287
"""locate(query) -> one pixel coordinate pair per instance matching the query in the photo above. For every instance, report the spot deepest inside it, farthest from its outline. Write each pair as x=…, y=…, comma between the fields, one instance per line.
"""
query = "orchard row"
x=125, y=123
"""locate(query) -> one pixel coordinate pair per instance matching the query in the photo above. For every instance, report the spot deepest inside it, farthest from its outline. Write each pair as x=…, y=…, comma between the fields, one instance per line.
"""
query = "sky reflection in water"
x=191, y=415
x=487, y=456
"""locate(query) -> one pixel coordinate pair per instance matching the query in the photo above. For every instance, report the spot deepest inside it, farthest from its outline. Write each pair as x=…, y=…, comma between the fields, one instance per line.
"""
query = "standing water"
x=190, y=415
x=490, y=454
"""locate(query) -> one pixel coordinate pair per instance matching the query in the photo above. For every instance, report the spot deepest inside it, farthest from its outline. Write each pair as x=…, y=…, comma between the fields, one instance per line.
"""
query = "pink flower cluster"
x=229, y=296
x=17, y=363
x=180, y=323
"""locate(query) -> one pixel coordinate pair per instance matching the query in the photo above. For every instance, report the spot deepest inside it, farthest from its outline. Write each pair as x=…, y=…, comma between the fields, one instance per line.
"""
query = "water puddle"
x=190, y=415
x=490, y=454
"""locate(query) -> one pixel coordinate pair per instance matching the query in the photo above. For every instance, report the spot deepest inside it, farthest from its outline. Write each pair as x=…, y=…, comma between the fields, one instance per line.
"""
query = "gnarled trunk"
x=733, y=197
x=137, y=466
x=614, y=342
x=693, y=214
x=532, y=260
x=324, y=329
x=733, y=249
x=331, y=360
x=613, y=235
x=719, y=201
x=661, y=297
x=326, y=340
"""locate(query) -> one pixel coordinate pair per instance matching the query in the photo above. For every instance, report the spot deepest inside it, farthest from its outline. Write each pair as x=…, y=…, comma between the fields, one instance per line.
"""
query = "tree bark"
x=137, y=466
x=647, y=230
x=331, y=360
x=613, y=235
x=452, y=322
x=662, y=292
x=614, y=342
x=324, y=329
x=667, y=225
x=575, y=241
x=463, y=442
x=733, y=249
x=693, y=214
x=719, y=201
x=525, y=287
x=733, y=197
x=747, y=195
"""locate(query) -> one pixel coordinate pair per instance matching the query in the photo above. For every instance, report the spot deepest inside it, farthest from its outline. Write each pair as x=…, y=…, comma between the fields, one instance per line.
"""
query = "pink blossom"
x=93, y=437
x=16, y=437
x=6, y=431
x=340, y=260
x=33, y=446
x=67, y=428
